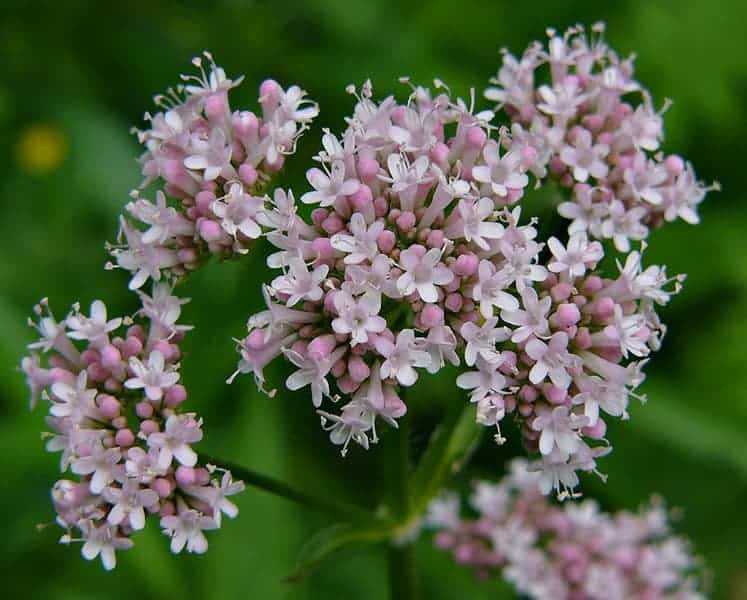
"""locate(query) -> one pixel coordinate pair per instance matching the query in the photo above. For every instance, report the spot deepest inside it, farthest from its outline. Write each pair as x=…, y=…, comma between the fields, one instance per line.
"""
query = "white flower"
x=470, y=223
x=76, y=402
x=102, y=540
x=238, y=212
x=361, y=245
x=174, y=442
x=165, y=221
x=645, y=181
x=185, y=529
x=489, y=290
x=552, y=359
x=440, y=344
x=577, y=257
x=423, y=272
x=402, y=357
x=129, y=503
x=532, y=321
x=312, y=372
x=299, y=284
x=329, y=187
x=559, y=429
x=487, y=380
x=101, y=463
x=357, y=317
x=143, y=260
x=95, y=328
x=481, y=340
x=152, y=378
x=216, y=495
x=501, y=172
x=585, y=158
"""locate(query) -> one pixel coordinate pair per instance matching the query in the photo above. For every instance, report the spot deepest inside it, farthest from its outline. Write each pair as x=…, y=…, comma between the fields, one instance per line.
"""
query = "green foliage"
x=86, y=72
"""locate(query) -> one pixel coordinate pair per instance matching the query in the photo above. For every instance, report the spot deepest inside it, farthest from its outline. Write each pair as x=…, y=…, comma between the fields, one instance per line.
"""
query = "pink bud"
x=144, y=409
x=367, y=168
x=406, y=221
x=323, y=248
x=476, y=137
x=248, y=174
x=90, y=356
x=185, y=476
x=333, y=224
x=528, y=393
x=216, y=106
x=439, y=153
x=161, y=486
x=362, y=199
x=604, y=307
x=567, y=315
x=97, y=373
x=175, y=395
x=347, y=385
x=124, y=438
x=148, y=427
x=108, y=405
x=561, y=291
x=592, y=285
x=110, y=356
x=210, y=231
x=554, y=395
x=453, y=302
x=245, y=124
x=358, y=370
x=386, y=241
x=435, y=239
x=431, y=315
x=597, y=431
x=381, y=206
x=202, y=476
x=119, y=422
x=674, y=164
x=466, y=265
x=203, y=200
x=583, y=338
x=269, y=92
x=321, y=347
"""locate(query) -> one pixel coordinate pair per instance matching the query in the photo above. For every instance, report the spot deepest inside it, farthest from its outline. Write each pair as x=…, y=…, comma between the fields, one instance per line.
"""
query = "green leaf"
x=450, y=446
x=326, y=542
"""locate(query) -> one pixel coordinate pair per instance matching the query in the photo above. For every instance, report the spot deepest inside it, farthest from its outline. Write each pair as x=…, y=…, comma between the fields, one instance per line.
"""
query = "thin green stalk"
x=342, y=511
x=403, y=582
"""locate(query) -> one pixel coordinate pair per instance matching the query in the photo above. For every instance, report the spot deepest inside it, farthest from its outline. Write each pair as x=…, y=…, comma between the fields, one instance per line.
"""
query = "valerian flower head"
x=115, y=413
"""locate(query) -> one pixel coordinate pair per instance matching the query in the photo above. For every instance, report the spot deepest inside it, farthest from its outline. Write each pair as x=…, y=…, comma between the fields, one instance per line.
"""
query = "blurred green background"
x=75, y=77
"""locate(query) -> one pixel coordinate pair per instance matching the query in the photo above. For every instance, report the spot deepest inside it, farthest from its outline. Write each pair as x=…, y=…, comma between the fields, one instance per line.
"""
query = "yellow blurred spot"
x=41, y=148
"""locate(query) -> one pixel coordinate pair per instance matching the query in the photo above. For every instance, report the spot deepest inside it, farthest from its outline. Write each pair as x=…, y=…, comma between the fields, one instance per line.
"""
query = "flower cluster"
x=115, y=414
x=212, y=165
x=408, y=237
x=415, y=258
x=573, y=552
x=574, y=103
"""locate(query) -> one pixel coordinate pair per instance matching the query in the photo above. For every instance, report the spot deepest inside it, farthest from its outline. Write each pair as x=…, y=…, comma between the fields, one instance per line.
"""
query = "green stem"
x=403, y=583
x=342, y=511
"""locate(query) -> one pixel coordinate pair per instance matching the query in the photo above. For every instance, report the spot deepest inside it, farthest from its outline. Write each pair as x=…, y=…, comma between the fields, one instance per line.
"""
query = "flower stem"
x=403, y=583
x=342, y=511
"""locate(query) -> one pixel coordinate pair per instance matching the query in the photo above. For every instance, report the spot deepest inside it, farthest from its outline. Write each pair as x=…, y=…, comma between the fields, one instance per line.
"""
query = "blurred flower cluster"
x=575, y=551
x=115, y=411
